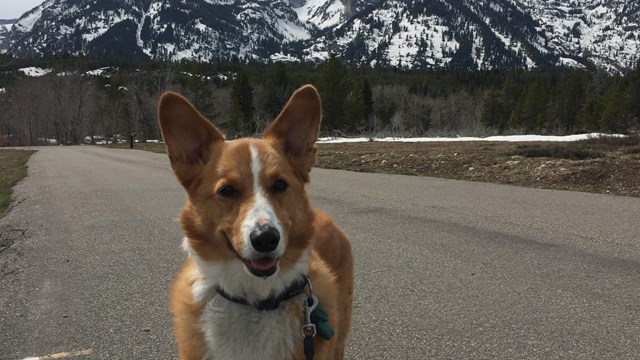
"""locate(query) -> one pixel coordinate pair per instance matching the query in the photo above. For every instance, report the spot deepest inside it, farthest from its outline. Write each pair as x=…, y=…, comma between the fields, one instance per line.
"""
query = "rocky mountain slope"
x=463, y=34
x=5, y=28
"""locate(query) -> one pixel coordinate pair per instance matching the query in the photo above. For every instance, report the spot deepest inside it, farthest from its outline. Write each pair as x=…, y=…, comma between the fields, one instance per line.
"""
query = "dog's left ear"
x=296, y=129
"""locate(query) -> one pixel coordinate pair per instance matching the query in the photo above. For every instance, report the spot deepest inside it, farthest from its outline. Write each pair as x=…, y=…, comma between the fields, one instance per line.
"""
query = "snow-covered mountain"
x=465, y=34
x=605, y=31
x=486, y=34
x=200, y=30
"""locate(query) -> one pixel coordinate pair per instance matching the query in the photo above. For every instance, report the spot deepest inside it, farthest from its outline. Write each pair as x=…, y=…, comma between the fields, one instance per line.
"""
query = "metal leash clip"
x=310, y=305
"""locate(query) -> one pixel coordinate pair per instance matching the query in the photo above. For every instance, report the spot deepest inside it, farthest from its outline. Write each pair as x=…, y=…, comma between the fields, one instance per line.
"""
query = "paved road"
x=445, y=269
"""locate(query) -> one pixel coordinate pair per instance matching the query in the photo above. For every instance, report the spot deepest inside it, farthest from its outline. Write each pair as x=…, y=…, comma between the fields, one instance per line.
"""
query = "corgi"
x=260, y=258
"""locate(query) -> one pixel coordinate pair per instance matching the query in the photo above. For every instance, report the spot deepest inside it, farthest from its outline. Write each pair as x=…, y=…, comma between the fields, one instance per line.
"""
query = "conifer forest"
x=89, y=100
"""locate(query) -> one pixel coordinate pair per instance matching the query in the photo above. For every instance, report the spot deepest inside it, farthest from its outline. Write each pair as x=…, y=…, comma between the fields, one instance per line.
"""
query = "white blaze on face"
x=261, y=212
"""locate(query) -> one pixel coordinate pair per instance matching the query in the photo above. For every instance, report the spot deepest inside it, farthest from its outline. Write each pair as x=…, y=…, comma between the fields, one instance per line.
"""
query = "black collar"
x=273, y=301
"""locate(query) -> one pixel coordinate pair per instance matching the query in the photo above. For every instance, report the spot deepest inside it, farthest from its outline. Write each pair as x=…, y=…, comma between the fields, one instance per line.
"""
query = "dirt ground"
x=611, y=167
x=606, y=169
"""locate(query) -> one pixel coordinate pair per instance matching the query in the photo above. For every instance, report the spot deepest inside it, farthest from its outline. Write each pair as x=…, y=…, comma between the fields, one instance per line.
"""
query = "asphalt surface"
x=444, y=269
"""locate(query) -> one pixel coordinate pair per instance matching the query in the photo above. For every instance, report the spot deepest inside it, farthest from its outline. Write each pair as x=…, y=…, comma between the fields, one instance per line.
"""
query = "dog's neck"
x=232, y=276
x=272, y=302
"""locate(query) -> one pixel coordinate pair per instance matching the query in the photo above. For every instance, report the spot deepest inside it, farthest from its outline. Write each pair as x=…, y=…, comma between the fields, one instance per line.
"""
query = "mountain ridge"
x=459, y=34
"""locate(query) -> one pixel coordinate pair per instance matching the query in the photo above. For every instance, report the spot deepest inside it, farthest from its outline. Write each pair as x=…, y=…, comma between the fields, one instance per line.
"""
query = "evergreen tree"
x=356, y=117
x=277, y=89
x=633, y=94
x=334, y=89
x=533, y=107
x=590, y=113
x=493, y=113
x=571, y=98
x=510, y=100
x=241, y=109
x=360, y=108
x=369, y=103
x=201, y=96
x=615, y=115
x=515, y=117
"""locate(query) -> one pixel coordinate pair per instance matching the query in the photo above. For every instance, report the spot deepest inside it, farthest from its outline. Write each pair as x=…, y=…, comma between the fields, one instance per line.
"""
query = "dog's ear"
x=296, y=129
x=188, y=135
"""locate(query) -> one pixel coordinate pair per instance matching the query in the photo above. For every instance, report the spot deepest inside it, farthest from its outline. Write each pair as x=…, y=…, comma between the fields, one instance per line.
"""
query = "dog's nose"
x=264, y=238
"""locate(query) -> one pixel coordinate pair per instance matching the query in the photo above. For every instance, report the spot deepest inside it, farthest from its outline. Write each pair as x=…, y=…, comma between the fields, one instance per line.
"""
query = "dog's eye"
x=279, y=186
x=228, y=191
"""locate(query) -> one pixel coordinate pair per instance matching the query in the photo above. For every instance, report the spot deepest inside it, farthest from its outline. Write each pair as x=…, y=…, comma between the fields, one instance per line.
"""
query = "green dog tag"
x=321, y=319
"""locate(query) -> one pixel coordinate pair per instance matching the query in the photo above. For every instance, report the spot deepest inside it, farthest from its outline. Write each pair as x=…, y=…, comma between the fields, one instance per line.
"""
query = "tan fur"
x=186, y=314
x=334, y=249
x=204, y=162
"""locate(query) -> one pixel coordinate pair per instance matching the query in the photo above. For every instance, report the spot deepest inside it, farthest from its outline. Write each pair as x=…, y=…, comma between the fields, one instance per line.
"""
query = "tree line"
x=73, y=104
x=578, y=101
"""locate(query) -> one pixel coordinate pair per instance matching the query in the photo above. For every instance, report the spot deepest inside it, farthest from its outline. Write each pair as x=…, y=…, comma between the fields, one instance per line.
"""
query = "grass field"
x=13, y=168
x=600, y=165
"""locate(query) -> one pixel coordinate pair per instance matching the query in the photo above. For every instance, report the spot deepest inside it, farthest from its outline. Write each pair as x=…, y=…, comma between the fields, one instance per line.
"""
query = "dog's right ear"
x=188, y=135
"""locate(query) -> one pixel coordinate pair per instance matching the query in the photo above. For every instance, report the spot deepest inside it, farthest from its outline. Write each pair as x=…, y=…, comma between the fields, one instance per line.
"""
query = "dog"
x=261, y=261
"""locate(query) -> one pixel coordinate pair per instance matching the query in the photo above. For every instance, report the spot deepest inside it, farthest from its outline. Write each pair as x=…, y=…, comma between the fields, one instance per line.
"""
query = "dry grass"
x=578, y=166
x=13, y=168
x=600, y=165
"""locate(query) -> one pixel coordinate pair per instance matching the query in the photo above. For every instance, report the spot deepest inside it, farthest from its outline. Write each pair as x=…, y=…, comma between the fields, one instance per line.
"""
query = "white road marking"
x=62, y=355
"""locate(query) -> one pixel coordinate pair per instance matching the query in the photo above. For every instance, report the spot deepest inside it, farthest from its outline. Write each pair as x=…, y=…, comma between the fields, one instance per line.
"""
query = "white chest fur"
x=239, y=332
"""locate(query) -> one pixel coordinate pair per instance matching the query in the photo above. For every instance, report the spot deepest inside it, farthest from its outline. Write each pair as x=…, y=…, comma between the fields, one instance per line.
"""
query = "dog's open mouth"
x=263, y=267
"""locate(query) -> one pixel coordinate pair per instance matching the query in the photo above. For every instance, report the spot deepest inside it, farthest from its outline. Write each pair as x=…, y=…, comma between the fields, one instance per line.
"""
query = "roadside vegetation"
x=599, y=166
x=592, y=148
x=605, y=165
x=13, y=168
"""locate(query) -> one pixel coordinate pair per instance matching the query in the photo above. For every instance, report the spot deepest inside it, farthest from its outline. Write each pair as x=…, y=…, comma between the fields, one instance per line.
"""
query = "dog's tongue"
x=263, y=263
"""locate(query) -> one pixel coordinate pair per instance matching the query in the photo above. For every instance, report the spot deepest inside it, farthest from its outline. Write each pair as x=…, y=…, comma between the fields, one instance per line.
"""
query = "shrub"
x=630, y=140
x=571, y=152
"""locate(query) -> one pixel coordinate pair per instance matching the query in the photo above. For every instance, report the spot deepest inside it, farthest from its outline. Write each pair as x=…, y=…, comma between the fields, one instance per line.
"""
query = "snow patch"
x=321, y=13
x=101, y=71
x=200, y=26
x=571, y=63
x=34, y=71
x=220, y=2
x=285, y=58
x=292, y=31
x=140, y=25
x=507, y=138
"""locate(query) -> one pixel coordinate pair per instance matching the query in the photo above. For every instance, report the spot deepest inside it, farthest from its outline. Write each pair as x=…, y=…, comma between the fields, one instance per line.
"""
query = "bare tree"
x=142, y=104
x=69, y=103
x=26, y=111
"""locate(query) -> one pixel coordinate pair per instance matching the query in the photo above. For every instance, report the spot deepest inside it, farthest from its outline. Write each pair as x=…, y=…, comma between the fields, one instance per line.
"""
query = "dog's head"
x=246, y=198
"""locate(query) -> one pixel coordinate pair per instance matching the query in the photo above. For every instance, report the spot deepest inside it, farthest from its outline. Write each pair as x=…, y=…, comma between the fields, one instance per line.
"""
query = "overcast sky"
x=10, y=9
